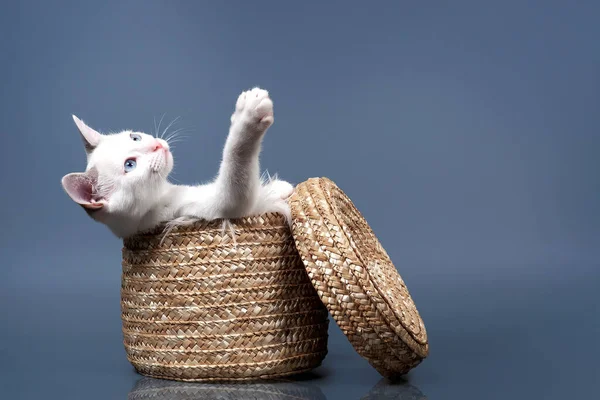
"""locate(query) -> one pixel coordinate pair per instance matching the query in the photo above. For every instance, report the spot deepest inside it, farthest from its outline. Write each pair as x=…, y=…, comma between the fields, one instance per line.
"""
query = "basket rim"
x=213, y=225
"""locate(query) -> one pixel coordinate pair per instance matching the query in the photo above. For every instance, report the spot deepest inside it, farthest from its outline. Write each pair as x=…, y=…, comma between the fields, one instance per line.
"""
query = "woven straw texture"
x=155, y=389
x=202, y=305
x=356, y=279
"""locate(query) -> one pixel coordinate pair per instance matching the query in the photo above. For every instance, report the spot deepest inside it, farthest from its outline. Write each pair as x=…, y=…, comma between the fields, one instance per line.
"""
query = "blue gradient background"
x=467, y=134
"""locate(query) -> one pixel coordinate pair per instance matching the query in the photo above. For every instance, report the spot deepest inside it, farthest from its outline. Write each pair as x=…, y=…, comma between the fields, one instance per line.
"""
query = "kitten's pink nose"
x=160, y=144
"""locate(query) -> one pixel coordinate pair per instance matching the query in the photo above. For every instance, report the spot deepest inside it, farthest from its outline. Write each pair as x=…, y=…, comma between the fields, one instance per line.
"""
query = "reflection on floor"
x=158, y=389
x=397, y=391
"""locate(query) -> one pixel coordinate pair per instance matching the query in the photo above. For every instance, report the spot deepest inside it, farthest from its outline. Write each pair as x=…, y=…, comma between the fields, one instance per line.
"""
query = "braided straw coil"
x=200, y=305
x=356, y=279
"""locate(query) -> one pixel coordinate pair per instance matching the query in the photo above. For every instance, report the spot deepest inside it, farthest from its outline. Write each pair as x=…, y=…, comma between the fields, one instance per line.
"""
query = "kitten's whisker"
x=168, y=126
x=161, y=119
x=180, y=130
x=175, y=179
x=183, y=129
x=177, y=139
x=174, y=134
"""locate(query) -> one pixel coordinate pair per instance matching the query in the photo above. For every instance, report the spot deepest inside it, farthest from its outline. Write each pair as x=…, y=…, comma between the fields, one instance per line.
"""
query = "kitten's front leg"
x=238, y=182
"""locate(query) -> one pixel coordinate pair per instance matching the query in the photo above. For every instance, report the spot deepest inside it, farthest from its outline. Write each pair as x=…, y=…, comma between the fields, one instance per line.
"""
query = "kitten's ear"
x=80, y=187
x=90, y=137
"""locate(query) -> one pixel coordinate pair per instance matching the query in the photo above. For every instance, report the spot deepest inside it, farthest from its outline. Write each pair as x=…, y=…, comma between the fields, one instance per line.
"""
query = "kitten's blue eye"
x=130, y=165
x=135, y=137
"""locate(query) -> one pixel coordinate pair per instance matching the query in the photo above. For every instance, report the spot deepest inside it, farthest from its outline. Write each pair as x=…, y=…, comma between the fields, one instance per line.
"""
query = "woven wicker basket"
x=201, y=305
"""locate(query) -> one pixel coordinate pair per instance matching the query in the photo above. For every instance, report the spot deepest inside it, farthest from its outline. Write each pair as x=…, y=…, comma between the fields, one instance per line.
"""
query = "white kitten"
x=125, y=184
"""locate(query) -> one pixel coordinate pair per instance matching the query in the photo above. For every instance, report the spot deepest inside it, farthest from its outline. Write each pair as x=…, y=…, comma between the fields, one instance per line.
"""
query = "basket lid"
x=356, y=279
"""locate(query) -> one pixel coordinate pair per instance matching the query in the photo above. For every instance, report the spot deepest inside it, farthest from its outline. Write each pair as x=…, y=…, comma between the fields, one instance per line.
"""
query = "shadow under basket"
x=203, y=303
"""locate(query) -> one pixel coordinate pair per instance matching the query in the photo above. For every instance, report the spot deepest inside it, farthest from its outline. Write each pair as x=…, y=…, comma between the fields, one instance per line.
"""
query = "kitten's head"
x=125, y=173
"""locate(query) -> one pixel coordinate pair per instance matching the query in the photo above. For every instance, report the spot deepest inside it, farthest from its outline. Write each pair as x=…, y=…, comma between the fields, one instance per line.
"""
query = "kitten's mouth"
x=159, y=160
x=161, y=156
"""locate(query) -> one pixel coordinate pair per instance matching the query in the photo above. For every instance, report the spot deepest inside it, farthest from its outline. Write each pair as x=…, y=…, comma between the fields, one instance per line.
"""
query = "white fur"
x=141, y=199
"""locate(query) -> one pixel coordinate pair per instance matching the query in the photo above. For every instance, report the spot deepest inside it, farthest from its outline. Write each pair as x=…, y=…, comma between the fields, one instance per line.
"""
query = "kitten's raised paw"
x=282, y=189
x=255, y=109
